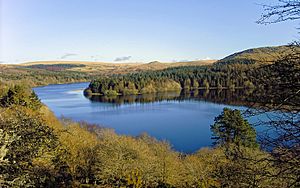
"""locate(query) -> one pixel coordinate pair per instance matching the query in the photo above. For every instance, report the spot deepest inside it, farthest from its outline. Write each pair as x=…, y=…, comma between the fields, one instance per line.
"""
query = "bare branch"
x=284, y=11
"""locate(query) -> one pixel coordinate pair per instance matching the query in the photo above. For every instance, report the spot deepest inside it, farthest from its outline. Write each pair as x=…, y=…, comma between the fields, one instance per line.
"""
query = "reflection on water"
x=232, y=97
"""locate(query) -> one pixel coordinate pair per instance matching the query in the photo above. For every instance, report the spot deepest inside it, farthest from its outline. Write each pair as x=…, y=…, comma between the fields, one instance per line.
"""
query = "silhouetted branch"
x=284, y=11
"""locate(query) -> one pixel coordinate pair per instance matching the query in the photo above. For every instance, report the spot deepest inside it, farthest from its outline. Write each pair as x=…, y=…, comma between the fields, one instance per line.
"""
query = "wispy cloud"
x=68, y=55
x=125, y=58
x=180, y=60
x=94, y=57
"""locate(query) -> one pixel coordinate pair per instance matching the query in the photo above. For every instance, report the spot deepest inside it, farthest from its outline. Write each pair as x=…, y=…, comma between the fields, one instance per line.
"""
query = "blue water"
x=185, y=124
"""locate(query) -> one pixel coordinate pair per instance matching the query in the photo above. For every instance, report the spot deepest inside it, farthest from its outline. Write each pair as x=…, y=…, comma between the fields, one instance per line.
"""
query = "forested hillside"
x=188, y=78
x=263, y=55
x=245, y=70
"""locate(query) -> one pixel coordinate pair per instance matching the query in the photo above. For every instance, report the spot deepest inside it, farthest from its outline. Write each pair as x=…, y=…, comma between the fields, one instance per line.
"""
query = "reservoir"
x=182, y=119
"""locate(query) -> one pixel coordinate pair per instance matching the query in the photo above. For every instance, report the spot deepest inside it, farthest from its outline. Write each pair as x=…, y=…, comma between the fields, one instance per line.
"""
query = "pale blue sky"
x=134, y=30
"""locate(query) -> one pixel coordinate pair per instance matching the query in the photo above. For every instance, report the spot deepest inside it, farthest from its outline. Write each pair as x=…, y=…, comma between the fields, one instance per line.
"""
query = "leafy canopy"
x=231, y=128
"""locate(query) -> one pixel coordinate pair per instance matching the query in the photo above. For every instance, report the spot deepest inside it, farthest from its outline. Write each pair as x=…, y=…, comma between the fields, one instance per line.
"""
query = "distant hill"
x=108, y=68
x=156, y=65
x=58, y=72
x=51, y=72
x=263, y=55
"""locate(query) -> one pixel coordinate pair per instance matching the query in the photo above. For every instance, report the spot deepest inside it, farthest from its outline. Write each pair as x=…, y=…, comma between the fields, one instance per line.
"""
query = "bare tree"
x=285, y=10
x=280, y=117
x=279, y=114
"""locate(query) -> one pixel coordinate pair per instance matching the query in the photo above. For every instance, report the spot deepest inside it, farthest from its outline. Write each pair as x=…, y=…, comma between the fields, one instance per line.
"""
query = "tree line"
x=217, y=76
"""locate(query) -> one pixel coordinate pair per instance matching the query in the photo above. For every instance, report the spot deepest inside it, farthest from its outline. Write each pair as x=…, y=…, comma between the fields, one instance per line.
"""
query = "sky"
x=134, y=30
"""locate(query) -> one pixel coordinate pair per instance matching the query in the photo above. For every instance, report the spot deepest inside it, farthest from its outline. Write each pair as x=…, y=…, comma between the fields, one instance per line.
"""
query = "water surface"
x=182, y=119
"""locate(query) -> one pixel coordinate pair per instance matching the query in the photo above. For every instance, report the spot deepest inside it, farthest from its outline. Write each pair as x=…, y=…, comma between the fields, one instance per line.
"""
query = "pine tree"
x=231, y=128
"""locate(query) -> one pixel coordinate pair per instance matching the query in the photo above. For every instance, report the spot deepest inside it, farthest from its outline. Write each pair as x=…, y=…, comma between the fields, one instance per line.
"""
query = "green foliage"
x=206, y=84
x=34, y=76
x=110, y=92
x=187, y=78
x=20, y=95
x=231, y=128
